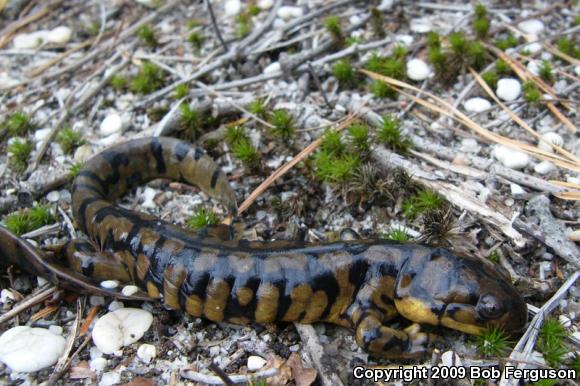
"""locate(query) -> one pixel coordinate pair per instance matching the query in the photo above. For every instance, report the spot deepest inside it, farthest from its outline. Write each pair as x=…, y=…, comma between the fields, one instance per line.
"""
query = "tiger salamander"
x=361, y=284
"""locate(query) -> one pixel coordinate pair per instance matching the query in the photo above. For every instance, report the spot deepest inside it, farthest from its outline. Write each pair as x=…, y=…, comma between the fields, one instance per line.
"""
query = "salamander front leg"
x=387, y=342
x=83, y=258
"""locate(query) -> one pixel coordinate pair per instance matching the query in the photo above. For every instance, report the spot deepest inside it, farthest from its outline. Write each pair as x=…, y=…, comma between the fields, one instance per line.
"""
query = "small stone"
x=148, y=198
x=574, y=235
x=287, y=12
x=6, y=296
x=532, y=26
x=265, y=4
x=550, y=138
x=577, y=70
x=129, y=290
x=29, y=41
x=41, y=135
x=420, y=26
x=533, y=47
x=120, y=328
x=25, y=349
x=565, y=321
x=96, y=300
x=57, y=330
x=272, y=68
x=406, y=40
x=517, y=191
x=110, y=284
x=113, y=123
x=385, y=5
x=508, y=89
x=476, y=105
x=533, y=67
x=232, y=7
x=95, y=353
x=146, y=352
x=450, y=358
x=576, y=335
x=417, y=69
x=544, y=167
x=149, y=3
x=41, y=281
x=110, y=378
x=115, y=305
x=53, y=196
x=255, y=363
x=469, y=145
x=510, y=158
x=98, y=364
x=59, y=35
x=83, y=153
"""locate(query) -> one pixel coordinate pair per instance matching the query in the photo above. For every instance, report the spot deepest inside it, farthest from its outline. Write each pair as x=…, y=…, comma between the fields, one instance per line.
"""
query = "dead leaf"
x=140, y=381
x=284, y=371
x=302, y=376
x=81, y=371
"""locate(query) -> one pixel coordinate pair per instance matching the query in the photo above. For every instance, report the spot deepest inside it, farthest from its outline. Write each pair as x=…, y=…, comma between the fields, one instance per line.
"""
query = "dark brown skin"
x=360, y=284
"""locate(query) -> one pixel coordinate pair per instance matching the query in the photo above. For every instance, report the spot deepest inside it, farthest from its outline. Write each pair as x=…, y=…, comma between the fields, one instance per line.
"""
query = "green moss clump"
x=18, y=124
x=150, y=78
x=235, y=134
x=345, y=73
x=202, y=218
x=27, y=220
x=358, y=134
x=397, y=234
x=423, y=202
x=336, y=169
x=480, y=22
x=491, y=78
x=147, y=36
x=118, y=82
x=391, y=136
x=568, y=47
x=18, y=152
x=382, y=90
x=259, y=108
x=551, y=341
x=181, y=91
x=245, y=25
x=546, y=72
x=332, y=25
x=190, y=119
x=502, y=67
x=283, y=123
x=433, y=40
x=245, y=152
x=378, y=23
x=75, y=168
x=69, y=139
x=332, y=143
x=196, y=40
x=493, y=342
x=531, y=92
x=510, y=41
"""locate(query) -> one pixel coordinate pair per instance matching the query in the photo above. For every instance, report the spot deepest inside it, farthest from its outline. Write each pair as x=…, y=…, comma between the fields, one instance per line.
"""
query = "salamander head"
x=464, y=294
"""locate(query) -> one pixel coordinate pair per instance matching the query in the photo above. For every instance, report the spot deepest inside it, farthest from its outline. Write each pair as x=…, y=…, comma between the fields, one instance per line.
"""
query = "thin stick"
x=42, y=293
x=215, y=26
x=318, y=84
x=220, y=373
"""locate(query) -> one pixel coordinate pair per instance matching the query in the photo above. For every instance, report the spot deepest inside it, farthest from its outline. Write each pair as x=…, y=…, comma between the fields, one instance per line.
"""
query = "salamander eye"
x=489, y=307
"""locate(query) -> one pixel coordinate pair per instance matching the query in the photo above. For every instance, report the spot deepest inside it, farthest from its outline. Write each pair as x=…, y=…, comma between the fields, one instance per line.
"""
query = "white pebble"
x=517, y=190
x=110, y=140
x=510, y=158
x=59, y=35
x=95, y=353
x=98, y=364
x=148, y=196
x=476, y=105
x=232, y=7
x=272, y=68
x=532, y=47
x=577, y=70
x=550, y=138
x=57, y=330
x=41, y=134
x=109, y=284
x=41, y=281
x=420, y=26
x=574, y=235
x=544, y=167
x=149, y=3
x=533, y=67
x=406, y=40
x=6, y=296
x=469, y=145
x=532, y=26
x=265, y=4
x=120, y=328
x=29, y=41
x=417, y=69
x=129, y=290
x=565, y=321
x=53, y=196
x=146, y=352
x=450, y=358
x=508, y=89
x=255, y=363
x=113, y=123
x=385, y=5
x=287, y=12
x=110, y=378
x=83, y=153
x=115, y=305
x=25, y=349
